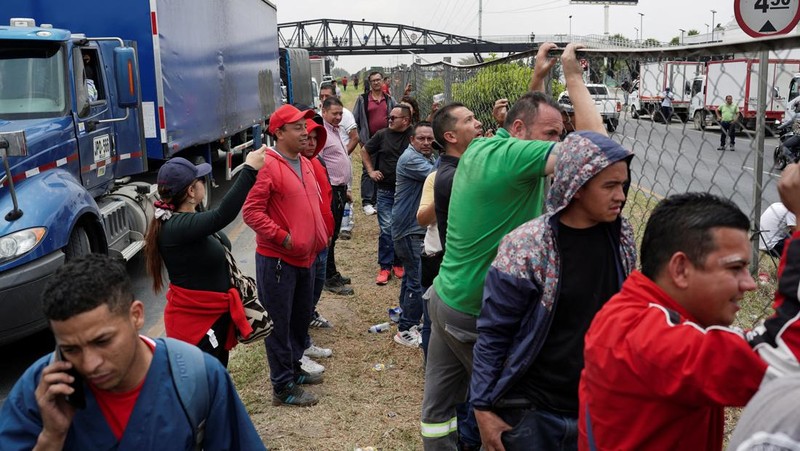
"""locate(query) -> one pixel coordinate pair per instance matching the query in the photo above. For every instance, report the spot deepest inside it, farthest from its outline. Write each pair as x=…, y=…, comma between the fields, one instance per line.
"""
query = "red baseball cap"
x=286, y=115
x=322, y=134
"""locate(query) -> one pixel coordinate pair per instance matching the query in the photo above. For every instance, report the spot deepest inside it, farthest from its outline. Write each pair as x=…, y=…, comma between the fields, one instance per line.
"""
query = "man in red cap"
x=283, y=208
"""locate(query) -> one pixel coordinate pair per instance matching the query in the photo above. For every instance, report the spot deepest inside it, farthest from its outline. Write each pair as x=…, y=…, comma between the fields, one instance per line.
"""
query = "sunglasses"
x=391, y=118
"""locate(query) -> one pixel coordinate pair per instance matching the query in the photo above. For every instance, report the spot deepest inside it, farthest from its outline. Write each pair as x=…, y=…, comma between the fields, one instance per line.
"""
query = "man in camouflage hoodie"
x=550, y=277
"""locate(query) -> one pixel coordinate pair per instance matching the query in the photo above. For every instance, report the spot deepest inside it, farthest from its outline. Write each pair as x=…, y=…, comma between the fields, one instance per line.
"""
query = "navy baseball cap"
x=178, y=173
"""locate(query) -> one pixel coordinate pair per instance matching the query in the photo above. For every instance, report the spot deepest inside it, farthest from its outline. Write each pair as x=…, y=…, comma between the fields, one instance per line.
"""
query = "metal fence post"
x=448, y=95
x=758, y=164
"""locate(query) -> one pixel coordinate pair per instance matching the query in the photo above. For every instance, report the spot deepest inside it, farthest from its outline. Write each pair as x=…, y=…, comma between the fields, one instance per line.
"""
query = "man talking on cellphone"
x=134, y=396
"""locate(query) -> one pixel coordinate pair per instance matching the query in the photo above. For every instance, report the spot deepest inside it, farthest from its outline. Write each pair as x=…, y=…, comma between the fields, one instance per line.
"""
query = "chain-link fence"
x=685, y=143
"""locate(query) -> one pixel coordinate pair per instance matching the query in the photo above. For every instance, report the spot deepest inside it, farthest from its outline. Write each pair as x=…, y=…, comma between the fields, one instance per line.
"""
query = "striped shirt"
x=334, y=154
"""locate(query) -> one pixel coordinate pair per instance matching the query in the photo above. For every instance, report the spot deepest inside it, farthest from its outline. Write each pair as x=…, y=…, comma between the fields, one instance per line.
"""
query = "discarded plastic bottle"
x=378, y=328
x=394, y=314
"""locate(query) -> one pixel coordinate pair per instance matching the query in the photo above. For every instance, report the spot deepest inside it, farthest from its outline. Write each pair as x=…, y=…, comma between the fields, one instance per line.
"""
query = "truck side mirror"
x=126, y=74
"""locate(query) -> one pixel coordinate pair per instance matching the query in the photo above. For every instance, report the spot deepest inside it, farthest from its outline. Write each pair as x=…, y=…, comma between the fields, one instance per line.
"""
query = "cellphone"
x=78, y=398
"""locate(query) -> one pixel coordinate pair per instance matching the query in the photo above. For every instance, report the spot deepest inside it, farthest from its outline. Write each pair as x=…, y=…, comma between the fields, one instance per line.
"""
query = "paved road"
x=674, y=158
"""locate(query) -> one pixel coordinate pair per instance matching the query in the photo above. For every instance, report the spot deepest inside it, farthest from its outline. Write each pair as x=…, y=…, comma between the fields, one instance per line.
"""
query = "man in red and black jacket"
x=661, y=363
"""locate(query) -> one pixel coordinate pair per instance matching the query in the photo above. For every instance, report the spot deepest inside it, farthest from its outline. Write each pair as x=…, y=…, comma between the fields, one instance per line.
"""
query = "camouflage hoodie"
x=512, y=328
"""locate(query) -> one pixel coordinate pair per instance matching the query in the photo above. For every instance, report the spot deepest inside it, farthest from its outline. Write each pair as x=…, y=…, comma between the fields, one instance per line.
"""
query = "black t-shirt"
x=385, y=147
x=442, y=188
x=588, y=279
x=194, y=257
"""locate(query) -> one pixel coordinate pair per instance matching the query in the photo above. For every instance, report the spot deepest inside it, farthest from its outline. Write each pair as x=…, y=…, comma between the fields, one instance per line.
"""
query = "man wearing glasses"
x=371, y=111
x=380, y=156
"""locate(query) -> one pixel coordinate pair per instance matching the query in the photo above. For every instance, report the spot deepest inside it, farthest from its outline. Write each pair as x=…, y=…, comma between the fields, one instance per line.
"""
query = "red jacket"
x=326, y=193
x=654, y=379
x=190, y=313
x=279, y=204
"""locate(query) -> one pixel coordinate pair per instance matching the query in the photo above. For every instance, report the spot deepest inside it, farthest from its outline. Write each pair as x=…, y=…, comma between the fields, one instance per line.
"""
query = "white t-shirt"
x=774, y=222
x=668, y=96
x=348, y=123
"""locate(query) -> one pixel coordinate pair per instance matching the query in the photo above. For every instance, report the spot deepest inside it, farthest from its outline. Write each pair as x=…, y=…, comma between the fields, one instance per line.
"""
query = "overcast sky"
x=662, y=18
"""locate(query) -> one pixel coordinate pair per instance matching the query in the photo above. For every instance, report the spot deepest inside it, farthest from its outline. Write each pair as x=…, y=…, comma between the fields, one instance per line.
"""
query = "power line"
x=530, y=8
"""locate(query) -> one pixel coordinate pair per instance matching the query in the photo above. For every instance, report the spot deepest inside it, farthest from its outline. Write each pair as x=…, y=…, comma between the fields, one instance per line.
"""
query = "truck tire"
x=198, y=159
x=683, y=117
x=78, y=244
x=699, y=120
x=634, y=112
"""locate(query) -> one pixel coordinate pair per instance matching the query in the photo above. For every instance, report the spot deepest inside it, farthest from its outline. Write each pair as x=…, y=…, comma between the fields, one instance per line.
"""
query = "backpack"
x=188, y=369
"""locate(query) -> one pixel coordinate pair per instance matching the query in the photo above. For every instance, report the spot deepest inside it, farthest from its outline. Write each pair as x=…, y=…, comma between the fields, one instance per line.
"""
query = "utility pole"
x=713, y=14
x=641, y=27
x=480, y=19
x=682, y=31
x=570, y=28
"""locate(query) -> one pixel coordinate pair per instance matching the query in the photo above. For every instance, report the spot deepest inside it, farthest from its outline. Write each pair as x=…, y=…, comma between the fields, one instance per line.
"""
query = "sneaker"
x=320, y=322
x=369, y=210
x=345, y=235
x=398, y=271
x=721, y=148
x=316, y=352
x=732, y=149
x=383, y=277
x=408, y=338
x=310, y=366
x=344, y=280
x=306, y=378
x=293, y=395
x=336, y=287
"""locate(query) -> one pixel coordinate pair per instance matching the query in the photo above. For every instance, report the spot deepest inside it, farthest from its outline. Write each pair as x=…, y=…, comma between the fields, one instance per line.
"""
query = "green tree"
x=426, y=89
x=651, y=42
x=675, y=41
x=692, y=32
x=490, y=83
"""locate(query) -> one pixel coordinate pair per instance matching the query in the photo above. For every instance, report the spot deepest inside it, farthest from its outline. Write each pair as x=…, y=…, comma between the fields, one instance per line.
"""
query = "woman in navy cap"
x=189, y=243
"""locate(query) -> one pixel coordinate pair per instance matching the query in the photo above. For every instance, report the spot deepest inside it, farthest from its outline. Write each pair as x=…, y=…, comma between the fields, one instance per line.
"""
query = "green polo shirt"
x=728, y=112
x=498, y=186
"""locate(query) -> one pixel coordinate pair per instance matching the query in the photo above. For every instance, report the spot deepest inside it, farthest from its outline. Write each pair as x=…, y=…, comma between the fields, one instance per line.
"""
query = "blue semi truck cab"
x=70, y=133
x=106, y=94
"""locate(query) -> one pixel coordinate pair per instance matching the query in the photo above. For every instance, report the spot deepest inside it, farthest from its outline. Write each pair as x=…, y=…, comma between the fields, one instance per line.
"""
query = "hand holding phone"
x=76, y=399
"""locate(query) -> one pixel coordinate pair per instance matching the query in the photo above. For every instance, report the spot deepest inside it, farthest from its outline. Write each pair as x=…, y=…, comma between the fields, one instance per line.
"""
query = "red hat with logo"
x=286, y=115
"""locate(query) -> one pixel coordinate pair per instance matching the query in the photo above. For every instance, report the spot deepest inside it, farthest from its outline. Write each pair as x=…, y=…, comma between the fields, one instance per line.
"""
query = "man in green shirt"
x=727, y=114
x=498, y=186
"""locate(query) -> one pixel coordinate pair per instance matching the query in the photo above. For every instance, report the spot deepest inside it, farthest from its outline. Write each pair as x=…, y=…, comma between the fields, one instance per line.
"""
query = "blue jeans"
x=539, y=429
x=319, y=281
x=409, y=251
x=385, y=245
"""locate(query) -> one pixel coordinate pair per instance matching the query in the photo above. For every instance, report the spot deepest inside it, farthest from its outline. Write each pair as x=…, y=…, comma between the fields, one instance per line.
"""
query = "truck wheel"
x=683, y=117
x=634, y=112
x=699, y=120
x=78, y=244
x=197, y=159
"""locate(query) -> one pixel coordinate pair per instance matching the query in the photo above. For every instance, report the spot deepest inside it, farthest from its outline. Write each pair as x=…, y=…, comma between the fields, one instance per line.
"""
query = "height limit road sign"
x=759, y=18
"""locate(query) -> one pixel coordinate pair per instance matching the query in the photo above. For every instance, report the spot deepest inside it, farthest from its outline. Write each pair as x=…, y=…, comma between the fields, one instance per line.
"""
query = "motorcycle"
x=785, y=134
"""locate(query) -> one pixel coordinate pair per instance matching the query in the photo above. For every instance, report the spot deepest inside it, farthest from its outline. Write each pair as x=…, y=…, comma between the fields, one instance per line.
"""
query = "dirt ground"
x=359, y=406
